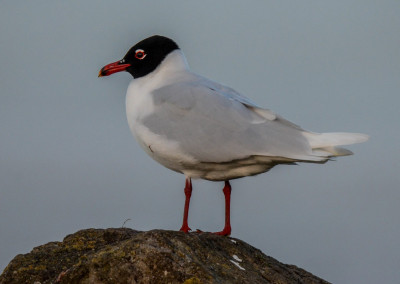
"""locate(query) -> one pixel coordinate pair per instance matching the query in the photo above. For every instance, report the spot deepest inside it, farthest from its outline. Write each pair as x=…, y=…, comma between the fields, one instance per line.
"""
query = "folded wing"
x=214, y=123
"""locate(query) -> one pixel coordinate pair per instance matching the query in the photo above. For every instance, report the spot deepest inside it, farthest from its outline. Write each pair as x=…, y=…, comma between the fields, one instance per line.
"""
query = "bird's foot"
x=225, y=232
x=185, y=229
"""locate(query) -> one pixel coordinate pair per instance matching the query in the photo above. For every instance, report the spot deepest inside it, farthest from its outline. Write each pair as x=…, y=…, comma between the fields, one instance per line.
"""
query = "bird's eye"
x=140, y=54
x=122, y=61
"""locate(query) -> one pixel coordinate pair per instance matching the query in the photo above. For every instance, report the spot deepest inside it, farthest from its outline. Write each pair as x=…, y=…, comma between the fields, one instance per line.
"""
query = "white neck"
x=175, y=61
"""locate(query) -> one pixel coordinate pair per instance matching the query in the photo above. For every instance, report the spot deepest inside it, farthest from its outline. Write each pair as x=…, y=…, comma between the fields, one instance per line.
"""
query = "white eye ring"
x=140, y=54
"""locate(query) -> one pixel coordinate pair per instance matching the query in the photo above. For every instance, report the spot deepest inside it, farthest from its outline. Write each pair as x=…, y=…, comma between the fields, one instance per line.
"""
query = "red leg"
x=227, y=192
x=188, y=192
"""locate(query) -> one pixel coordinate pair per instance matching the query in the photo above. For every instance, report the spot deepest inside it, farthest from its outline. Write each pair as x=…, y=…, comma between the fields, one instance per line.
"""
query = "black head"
x=143, y=58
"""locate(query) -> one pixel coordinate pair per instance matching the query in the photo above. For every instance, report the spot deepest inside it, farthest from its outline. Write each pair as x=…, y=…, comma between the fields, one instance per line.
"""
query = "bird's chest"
x=139, y=106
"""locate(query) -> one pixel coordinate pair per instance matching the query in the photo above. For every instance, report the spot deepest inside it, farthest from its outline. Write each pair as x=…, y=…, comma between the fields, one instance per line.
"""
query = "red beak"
x=113, y=68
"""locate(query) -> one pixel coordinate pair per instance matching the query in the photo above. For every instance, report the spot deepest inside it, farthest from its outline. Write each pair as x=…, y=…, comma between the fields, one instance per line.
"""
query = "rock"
x=128, y=256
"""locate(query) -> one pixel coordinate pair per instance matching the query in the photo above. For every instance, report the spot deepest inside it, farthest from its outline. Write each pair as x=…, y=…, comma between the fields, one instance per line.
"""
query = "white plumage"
x=206, y=130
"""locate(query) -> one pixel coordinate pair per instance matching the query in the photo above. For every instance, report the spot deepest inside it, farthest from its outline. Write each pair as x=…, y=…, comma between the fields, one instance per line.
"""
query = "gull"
x=205, y=130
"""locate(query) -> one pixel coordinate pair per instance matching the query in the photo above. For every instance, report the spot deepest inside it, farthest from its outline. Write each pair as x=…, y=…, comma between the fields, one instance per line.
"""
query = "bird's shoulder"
x=200, y=92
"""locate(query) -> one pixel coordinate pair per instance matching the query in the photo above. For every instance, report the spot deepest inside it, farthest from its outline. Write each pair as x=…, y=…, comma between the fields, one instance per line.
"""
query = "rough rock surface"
x=128, y=256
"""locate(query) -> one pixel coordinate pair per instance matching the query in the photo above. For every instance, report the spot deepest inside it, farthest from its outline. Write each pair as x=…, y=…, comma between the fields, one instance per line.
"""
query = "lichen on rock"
x=128, y=256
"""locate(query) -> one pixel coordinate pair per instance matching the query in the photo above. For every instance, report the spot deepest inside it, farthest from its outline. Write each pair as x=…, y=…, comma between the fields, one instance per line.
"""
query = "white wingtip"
x=332, y=139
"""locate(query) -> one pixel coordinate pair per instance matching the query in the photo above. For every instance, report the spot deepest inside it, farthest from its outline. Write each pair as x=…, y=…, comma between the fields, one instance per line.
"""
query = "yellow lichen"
x=40, y=267
x=193, y=280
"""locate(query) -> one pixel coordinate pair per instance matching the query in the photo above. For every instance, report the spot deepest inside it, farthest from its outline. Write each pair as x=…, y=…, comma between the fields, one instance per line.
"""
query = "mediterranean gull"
x=206, y=130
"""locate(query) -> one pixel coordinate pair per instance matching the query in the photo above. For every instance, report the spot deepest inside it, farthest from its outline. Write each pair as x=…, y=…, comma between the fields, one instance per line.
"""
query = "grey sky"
x=68, y=161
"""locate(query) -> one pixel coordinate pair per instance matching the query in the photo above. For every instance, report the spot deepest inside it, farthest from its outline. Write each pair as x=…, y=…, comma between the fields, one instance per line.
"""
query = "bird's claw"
x=185, y=229
x=225, y=232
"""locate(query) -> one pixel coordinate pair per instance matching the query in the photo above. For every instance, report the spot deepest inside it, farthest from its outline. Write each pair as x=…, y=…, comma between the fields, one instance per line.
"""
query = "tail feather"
x=331, y=152
x=326, y=143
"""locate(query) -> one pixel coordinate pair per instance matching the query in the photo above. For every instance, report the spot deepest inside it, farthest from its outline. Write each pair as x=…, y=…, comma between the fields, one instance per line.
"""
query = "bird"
x=206, y=130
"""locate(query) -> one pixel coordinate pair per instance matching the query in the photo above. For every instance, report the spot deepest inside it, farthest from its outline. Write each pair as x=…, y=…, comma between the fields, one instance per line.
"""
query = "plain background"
x=69, y=162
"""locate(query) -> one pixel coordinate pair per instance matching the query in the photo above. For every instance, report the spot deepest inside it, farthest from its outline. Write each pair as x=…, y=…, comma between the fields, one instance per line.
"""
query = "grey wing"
x=212, y=126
